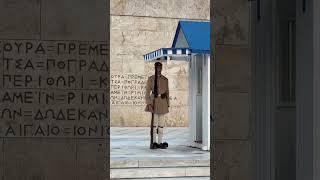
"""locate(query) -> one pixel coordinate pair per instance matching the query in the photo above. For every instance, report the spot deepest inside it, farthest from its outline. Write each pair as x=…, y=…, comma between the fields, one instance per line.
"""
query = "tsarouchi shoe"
x=163, y=145
x=154, y=146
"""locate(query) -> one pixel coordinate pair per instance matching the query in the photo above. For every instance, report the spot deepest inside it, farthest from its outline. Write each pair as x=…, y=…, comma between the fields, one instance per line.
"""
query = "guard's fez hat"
x=157, y=64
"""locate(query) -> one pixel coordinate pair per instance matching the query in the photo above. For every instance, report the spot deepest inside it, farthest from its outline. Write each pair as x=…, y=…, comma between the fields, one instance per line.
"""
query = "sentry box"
x=192, y=43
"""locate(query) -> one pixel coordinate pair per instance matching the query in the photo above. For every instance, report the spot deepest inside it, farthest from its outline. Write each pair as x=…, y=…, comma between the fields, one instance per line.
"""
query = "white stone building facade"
x=138, y=27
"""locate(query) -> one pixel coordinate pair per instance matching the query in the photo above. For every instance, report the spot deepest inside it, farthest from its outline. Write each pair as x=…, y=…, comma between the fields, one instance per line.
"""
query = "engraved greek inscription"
x=11, y=114
x=16, y=80
x=19, y=97
x=46, y=130
x=49, y=87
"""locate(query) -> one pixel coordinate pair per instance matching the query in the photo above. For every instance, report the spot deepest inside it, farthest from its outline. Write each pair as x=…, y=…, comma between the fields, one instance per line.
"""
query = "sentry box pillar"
x=192, y=43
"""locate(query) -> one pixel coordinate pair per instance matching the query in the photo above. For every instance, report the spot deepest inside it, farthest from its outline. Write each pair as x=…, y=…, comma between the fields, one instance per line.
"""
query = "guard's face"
x=158, y=69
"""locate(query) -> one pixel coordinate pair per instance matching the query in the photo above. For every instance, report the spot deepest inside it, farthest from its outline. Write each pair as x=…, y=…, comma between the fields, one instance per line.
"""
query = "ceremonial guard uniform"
x=157, y=96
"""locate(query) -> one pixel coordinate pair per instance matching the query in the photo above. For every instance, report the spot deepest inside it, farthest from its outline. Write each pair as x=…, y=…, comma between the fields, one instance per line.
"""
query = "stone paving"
x=132, y=143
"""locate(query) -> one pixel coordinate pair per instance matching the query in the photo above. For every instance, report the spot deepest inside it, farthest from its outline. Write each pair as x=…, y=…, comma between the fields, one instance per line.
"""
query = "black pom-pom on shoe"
x=163, y=145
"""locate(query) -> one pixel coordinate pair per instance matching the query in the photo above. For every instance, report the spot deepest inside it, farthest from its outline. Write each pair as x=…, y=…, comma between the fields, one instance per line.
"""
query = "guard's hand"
x=150, y=108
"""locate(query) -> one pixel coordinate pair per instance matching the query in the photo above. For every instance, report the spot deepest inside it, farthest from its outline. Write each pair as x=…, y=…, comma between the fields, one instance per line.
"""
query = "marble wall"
x=139, y=27
x=54, y=72
x=231, y=77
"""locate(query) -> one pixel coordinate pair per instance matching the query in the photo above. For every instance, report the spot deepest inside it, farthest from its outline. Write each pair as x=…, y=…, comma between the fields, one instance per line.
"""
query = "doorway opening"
x=285, y=111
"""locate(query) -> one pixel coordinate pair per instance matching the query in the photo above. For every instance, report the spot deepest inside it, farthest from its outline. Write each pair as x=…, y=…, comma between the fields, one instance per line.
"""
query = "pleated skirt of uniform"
x=160, y=105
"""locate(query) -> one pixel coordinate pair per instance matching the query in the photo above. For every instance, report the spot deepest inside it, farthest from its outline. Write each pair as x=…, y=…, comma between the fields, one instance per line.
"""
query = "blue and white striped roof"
x=197, y=35
x=163, y=52
x=190, y=37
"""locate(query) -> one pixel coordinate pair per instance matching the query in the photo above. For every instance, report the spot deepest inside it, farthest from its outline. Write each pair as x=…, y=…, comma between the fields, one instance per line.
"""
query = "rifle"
x=151, y=126
x=155, y=94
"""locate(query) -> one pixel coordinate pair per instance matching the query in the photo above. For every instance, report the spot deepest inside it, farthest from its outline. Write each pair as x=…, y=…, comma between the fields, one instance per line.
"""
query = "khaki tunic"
x=161, y=105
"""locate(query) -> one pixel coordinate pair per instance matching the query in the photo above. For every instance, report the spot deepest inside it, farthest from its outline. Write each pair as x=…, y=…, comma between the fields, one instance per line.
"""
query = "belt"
x=157, y=95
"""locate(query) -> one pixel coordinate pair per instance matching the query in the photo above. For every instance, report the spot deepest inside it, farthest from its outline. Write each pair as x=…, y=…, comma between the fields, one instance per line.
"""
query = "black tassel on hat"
x=155, y=88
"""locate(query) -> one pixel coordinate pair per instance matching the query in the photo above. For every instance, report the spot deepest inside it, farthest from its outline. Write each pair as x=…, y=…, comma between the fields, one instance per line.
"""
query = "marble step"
x=159, y=168
x=173, y=178
x=160, y=172
x=138, y=163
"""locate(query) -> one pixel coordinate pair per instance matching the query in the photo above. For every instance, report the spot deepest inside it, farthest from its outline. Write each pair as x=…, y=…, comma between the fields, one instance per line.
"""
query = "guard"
x=157, y=100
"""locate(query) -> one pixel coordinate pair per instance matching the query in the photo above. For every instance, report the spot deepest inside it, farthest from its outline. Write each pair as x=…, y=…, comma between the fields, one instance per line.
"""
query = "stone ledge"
x=158, y=163
x=160, y=172
x=174, y=178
